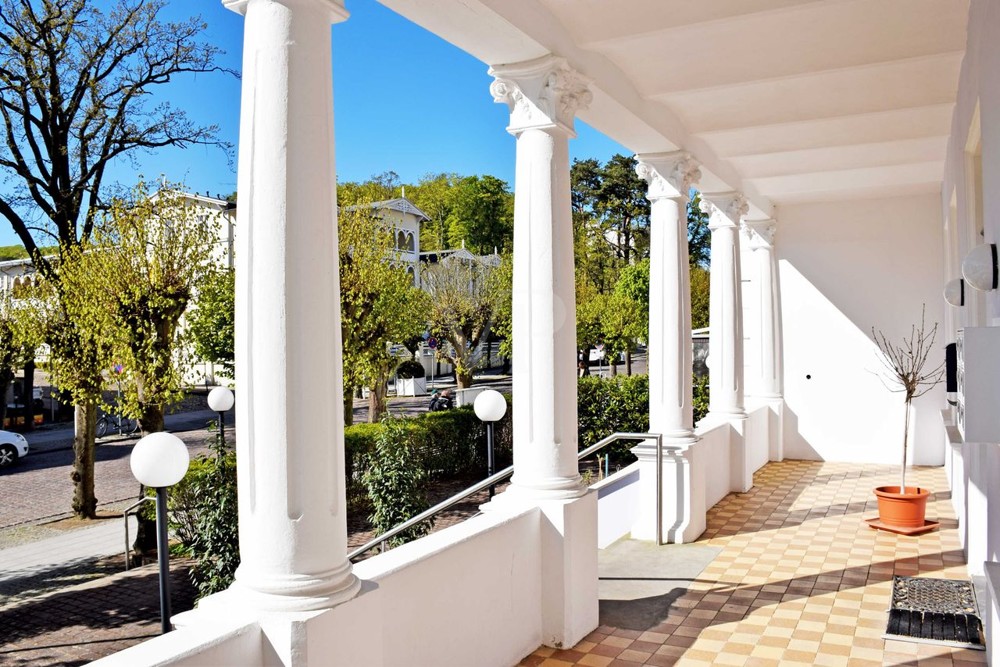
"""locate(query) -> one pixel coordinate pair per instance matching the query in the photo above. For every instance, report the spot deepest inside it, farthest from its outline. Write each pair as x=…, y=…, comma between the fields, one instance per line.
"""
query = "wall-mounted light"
x=954, y=292
x=980, y=267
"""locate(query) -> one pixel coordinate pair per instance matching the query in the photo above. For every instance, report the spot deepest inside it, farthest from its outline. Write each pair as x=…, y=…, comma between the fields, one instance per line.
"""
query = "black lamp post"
x=221, y=401
x=160, y=460
x=490, y=407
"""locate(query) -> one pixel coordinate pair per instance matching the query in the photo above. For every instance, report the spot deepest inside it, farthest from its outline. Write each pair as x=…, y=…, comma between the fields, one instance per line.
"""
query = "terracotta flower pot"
x=906, y=510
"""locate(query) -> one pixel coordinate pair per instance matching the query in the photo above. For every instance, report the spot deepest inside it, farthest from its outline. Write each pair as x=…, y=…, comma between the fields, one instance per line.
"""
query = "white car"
x=13, y=446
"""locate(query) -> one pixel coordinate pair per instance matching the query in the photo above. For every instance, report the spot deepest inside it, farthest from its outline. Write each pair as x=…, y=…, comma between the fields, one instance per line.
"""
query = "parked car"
x=13, y=446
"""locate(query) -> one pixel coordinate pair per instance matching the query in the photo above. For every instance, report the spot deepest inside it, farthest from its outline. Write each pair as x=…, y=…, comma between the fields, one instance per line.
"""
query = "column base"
x=294, y=593
x=683, y=517
x=553, y=488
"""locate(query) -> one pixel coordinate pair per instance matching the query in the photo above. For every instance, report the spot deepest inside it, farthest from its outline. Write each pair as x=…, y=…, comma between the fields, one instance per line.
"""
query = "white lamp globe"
x=980, y=267
x=221, y=399
x=159, y=460
x=954, y=292
x=490, y=406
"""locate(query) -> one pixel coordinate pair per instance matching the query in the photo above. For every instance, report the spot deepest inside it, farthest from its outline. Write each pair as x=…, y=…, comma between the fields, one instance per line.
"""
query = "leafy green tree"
x=379, y=305
x=699, y=235
x=76, y=78
x=213, y=320
x=462, y=307
x=133, y=283
x=502, y=285
x=699, y=297
x=20, y=336
x=434, y=195
x=379, y=187
x=482, y=215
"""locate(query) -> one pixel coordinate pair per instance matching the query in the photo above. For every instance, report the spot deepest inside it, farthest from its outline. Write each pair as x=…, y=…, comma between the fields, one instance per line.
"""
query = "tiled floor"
x=800, y=580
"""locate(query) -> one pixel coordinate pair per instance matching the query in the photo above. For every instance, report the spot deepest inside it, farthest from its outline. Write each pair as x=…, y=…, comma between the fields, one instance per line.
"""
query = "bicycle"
x=124, y=425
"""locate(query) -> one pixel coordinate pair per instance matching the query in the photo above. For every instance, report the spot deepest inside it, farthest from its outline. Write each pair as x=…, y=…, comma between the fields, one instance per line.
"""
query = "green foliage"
x=699, y=236
x=394, y=480
x=502, y=288
x=215, y=546
x=410, y=369
x=610, y=405
x=621, y=404
x=20, y=335
x=481, y=216
x=700, y=289
x=213, y=320
x=379, y=303
x=9, y=252
x=700, y=402
x=132, y=284
x=461, y=310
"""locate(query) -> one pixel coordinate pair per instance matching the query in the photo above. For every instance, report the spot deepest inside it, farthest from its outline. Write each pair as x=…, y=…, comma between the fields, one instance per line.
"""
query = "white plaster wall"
x=846, y=267
x=467, y=595
x=617, y=505
x=713, y=454
x=756, y=437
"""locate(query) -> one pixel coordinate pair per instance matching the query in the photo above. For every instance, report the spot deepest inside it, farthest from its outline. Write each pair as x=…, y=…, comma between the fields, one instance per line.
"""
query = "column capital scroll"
x=760, y=233
x=725, y=209
x=669, y=175
x=541, y=93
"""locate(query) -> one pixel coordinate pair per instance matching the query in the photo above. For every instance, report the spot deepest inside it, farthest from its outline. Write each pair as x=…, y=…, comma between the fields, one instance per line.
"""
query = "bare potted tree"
x=903, y=508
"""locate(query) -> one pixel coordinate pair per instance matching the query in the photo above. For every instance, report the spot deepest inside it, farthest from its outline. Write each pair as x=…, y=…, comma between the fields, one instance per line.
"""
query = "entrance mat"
x=934, y=611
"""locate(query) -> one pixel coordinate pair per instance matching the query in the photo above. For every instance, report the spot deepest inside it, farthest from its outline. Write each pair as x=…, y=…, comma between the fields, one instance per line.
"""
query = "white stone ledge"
x=212, y=640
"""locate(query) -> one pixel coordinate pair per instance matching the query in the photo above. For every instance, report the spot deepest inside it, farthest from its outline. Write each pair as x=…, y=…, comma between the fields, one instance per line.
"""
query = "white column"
x=767, y=385
x=543, y=96
x=670, y=177
x=293, y=531
x=725, y=346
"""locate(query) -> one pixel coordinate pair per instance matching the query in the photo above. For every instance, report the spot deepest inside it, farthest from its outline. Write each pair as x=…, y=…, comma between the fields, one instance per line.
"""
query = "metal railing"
x=507, y=472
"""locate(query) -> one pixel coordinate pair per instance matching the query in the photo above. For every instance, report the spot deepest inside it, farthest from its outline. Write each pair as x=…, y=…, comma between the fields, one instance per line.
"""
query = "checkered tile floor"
x=800, y=580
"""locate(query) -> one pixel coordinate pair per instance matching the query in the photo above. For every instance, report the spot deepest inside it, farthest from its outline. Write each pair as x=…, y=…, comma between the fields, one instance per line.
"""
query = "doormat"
x=935, y=611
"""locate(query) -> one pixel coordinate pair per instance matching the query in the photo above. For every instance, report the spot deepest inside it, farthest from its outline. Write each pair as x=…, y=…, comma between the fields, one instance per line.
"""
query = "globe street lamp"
x=221, y=400
x=490, y=407
x=160, y=460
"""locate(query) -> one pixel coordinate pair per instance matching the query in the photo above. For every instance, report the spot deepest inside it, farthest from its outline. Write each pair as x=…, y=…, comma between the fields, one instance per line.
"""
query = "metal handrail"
x=125, y=514
x=507, y=472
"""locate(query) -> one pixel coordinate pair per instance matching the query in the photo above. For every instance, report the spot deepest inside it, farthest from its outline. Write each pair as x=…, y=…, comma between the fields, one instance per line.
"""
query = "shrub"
x=409, y=369
x=606, y=406
x=394, y=479
x=700, y=397
x=215, y=546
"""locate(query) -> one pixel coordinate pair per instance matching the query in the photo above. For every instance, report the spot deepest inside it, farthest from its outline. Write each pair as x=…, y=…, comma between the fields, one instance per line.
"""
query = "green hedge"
x=447, y=444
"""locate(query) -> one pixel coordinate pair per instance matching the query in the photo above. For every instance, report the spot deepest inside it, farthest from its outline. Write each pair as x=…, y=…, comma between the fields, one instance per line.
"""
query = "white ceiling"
x=784, y=100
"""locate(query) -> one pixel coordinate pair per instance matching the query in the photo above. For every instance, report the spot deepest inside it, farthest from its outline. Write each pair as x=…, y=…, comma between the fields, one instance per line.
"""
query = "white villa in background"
x=849, y=152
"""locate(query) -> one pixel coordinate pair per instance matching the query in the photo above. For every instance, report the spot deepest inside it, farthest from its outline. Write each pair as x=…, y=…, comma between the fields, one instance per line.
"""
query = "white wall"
x=846, y=267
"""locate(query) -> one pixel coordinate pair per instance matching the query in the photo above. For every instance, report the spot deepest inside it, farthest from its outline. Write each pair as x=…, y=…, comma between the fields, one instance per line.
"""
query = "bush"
x=616, y=404
x=394, y=479
x=215, y=546
x=621, y=404
x=410, y=369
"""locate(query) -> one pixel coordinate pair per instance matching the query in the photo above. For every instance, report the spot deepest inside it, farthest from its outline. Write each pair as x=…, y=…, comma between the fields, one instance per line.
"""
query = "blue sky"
x=404, y=100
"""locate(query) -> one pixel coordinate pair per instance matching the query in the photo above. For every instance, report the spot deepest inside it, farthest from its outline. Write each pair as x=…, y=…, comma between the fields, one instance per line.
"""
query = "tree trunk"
x=376, y=402
x=348, y=406
x=28, y=392
x=85, y=426
x=6, y=377
x=151, y=419
x=463, y=379
x=613, y=361
x=628, y=362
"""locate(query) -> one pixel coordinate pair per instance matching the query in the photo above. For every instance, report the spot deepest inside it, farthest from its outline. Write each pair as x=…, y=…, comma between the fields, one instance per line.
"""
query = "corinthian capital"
x=669, y=175
x=725, y=209
x=544, y=92
x=760, y=233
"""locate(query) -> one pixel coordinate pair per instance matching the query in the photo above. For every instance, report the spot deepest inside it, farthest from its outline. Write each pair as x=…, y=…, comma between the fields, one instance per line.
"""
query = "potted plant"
x=411, y=380
x=902, y=508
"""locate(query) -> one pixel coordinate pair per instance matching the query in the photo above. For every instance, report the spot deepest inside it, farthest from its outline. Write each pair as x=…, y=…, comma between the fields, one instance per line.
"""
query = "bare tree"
x=905, y=364
x=75, y=85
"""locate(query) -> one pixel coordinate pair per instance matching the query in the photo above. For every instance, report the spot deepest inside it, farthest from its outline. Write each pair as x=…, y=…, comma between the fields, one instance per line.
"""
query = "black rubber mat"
x=934, y=610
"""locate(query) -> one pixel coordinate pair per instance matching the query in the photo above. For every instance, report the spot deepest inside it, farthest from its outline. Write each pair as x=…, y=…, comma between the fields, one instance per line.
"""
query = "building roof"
x=401, y=204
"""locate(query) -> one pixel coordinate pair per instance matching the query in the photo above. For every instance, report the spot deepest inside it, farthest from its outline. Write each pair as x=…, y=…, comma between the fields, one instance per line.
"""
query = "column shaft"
x=725, y=308
x=293, y=533
x=769, y=380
